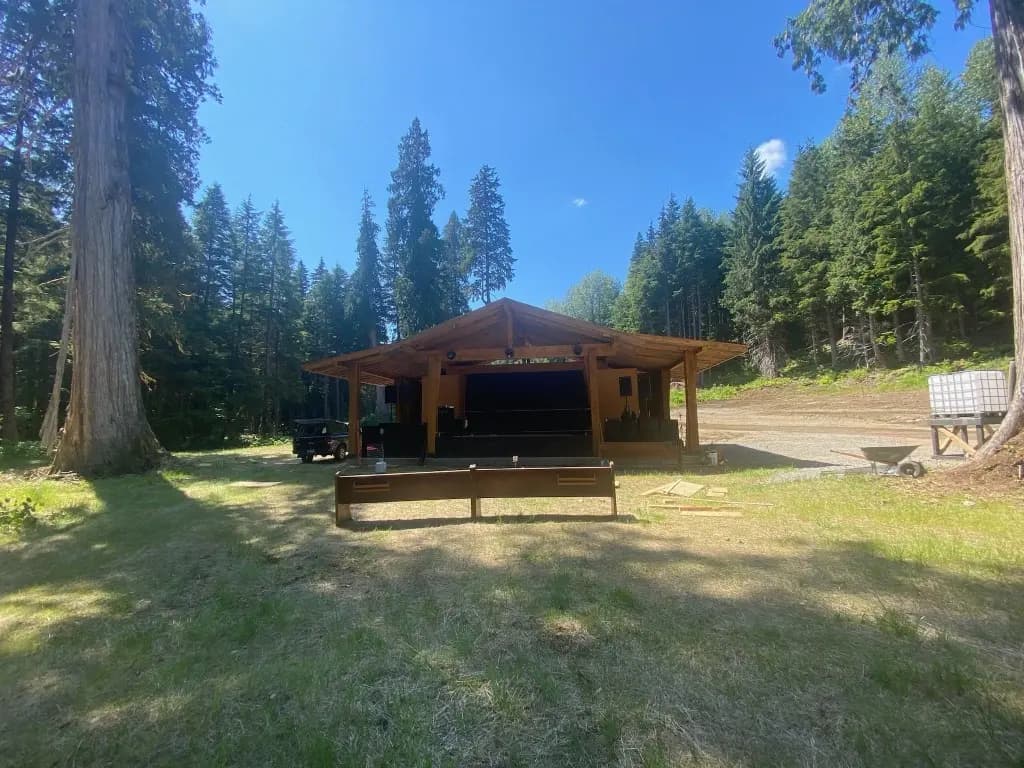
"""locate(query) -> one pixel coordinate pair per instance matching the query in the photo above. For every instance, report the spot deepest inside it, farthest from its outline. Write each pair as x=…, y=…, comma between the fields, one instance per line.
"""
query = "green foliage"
x=753, y=279
x=456, y=262
x=860, y=32
x=890, y=244
x=367, y=306
x=489, y=254
x=16, y=515
x=592, y=299
x=674, y=282
x=413, y=247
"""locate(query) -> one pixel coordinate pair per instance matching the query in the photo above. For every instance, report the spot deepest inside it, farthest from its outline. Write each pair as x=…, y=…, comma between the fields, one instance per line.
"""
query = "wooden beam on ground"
x=595, y=401
x=692, y=430
x=431, y=393
x=355, y=436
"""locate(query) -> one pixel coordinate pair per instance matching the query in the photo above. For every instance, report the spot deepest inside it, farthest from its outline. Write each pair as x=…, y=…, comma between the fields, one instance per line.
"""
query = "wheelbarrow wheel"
x=911, y=469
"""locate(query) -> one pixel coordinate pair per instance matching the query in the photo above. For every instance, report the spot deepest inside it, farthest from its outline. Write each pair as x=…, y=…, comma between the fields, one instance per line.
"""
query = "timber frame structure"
x=614, y=373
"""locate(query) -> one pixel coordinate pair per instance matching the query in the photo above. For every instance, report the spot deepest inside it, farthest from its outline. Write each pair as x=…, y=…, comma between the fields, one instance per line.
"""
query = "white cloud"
x=772, y=154
x=579, y=202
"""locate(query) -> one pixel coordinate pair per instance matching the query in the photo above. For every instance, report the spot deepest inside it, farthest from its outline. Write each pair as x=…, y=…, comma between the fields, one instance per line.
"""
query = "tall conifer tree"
x=367, y=307
x=413, y=247
x=454, y=267
x=491, y=264
x=752, y=264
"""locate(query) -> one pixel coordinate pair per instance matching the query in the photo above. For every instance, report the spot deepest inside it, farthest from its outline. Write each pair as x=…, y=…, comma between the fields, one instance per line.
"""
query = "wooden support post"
x=666, y=393
x=355, y=435
x=690, y=376
x=342, y=514
x=431, y=393
x=595, y=401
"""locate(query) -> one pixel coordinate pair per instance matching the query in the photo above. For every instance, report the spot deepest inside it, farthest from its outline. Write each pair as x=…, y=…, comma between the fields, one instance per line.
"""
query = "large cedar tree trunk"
x=1008, y=36
x=106, y=429
x=9, y=424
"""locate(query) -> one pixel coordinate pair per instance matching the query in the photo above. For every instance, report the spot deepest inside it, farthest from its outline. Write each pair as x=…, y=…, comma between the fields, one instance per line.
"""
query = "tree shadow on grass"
x=170, y=629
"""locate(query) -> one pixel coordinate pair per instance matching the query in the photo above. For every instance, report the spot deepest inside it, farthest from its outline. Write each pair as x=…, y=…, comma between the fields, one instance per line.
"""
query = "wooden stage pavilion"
x=511, y=379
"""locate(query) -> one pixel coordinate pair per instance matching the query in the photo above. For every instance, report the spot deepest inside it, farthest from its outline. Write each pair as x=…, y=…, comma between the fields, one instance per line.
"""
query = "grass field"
x=177, y=618
x=737, y=378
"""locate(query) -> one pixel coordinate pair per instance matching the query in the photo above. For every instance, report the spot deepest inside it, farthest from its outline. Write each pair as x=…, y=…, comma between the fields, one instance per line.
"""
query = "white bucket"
x=712, y=457
x=380, y=467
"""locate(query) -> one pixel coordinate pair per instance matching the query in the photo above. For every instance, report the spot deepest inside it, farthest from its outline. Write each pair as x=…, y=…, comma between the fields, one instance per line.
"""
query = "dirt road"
x=797, y=427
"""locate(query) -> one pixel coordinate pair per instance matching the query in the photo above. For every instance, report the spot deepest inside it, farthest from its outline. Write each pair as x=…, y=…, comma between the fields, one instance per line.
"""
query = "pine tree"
x=367, y=306
x=626, y=313
x=413, y=247
x=279, y=292
x=805, y=243
x=213, y=231
x=695, y=279
x=663, y=267
x=987, y=237
x=454, y=268
x=853, y=276
x=246, y=276
x=860, y=34
x=752, y=264
x=320, y=313
x=491, y=264
x=34, y=136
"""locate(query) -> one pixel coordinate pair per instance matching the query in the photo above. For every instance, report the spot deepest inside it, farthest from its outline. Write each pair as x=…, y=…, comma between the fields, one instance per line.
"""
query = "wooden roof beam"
x=525, y=352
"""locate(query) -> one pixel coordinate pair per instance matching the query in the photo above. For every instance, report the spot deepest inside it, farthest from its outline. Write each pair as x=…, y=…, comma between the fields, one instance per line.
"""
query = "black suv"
x=320, y=437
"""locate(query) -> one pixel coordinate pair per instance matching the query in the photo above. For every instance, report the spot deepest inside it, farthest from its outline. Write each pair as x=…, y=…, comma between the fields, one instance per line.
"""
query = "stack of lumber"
x=705, y=501
x=676, y=488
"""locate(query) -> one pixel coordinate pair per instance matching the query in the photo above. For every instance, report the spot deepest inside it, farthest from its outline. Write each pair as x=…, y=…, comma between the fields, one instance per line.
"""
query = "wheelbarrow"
x=890, y=457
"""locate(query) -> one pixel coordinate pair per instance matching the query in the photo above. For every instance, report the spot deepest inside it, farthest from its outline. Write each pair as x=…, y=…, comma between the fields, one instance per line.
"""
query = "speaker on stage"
x=644, y=385
x=390, y=394
x=625, y=386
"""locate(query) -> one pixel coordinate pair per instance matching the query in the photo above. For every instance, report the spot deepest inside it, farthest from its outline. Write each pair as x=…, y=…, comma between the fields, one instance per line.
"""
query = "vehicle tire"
x=307, y=458
x=911, y=469
x=341, y=452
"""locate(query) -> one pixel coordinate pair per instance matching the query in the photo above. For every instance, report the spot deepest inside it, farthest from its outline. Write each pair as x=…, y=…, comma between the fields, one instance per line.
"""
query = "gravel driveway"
x=797, y=427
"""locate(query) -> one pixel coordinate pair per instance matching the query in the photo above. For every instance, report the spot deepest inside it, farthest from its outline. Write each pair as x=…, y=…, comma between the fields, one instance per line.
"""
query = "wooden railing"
x=472, y=484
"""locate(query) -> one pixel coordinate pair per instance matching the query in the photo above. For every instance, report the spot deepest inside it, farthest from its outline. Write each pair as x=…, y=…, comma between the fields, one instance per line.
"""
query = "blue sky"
x=592, y=113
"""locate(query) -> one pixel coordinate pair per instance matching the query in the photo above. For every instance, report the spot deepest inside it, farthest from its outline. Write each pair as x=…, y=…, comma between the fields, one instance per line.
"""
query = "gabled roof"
x=486, y=334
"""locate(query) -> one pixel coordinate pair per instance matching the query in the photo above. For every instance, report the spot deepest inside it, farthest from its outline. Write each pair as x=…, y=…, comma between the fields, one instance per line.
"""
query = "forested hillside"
x=889, y=246
x=889, y=243
x=227, y=309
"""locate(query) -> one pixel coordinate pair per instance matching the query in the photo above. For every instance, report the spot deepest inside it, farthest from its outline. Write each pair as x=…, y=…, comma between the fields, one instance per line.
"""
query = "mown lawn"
x=177, y=619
